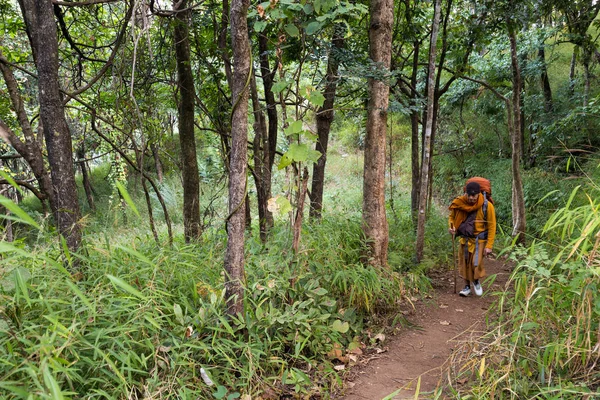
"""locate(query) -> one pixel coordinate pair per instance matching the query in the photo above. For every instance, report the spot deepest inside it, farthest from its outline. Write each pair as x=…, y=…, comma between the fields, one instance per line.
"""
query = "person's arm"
x=451, y=226
x=491, y=228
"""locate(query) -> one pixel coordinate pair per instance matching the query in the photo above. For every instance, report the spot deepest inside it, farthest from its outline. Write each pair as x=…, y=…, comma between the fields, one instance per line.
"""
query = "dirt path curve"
x=423, y=349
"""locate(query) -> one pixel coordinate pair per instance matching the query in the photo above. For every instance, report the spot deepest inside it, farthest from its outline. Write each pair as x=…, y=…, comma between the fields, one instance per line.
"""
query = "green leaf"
x=292, y=30
x=18, y=211
x=339, y=326
x=233, y=396
x=298, y=152
x=178, y=313
x=316, y=98
x=278, y=87
x=313, y=27
x=313, y=155
x=51, y=384
x=221, y=392
x=260, y=26
x=308, y=9
x=294, y=127
x=320, y=291
x=136, y=254
x=284, y=162
x=284, y=205
x=126, y=287
x=127, y=198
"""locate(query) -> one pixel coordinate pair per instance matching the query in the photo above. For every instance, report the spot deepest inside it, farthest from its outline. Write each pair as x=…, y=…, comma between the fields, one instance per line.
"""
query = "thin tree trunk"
x=415, y=137
x=424, y=184
x=85, y=177
x=572, y=71
x=262, y=168
x=300, y=211
x=157, y=162
x=518, y=200
x=41, y=28
x=187, y=138
x=234, y=254
x=374, y=224
x=324, y=120
x=587, y=80
x=545, y=81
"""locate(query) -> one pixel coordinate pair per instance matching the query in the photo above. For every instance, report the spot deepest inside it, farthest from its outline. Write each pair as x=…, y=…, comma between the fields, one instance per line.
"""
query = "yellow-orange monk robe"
x=459, y=209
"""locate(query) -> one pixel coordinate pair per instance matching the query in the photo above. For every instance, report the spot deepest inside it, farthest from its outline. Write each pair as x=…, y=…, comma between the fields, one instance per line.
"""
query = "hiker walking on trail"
x=473, y=219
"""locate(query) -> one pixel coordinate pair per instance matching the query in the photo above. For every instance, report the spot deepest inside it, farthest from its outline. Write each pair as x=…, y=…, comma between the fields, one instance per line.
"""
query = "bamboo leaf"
x=22, y=216
x=126, y=287
x=127, y=198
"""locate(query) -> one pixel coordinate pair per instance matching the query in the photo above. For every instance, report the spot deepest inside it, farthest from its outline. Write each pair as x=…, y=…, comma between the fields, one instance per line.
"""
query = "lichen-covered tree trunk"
x=187, y=139
x=374, y=223
x=324, y=120
x=234, y=254
x=514, y=115
x=425, y=164
x=42, y=32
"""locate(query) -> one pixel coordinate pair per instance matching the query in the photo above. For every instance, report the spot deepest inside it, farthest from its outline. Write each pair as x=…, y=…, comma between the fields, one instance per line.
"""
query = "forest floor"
x=436, y=326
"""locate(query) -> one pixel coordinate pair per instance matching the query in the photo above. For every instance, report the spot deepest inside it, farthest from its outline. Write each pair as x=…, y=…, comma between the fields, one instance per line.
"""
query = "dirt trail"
x=423, y=349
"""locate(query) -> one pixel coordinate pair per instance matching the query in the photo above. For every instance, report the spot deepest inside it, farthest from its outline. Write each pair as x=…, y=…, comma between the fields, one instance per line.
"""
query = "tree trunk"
x=414, y=123
x=187, y=139
x=267, y=78
x=424, y=183
x=85, y=177
x=157, y=162
x=262, y=168
x=234, y=255
x=514, y=118
x=41, y=28
x=545, y=81
x=374, y=224
x=572, y=71
x=324, y=120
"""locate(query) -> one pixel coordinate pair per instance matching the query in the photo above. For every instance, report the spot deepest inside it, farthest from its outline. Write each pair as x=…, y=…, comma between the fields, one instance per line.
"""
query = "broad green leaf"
x=18, y=211
x=308, y=9
x=316, y=98
x=294, y=127
x=298, y=152
x=339, y=326
x=313, y=155
x=284, y=162
x=313, y=27
x=292, y=30
x=126, y=287
x=284, y=205
x=260, y=26
x=127, y=198
x=279, y=86
x=320, y=291
x=220, y=393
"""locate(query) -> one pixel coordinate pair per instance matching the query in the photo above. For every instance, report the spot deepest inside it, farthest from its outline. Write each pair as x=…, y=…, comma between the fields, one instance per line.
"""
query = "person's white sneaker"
x=478, y=288
x=465, y=292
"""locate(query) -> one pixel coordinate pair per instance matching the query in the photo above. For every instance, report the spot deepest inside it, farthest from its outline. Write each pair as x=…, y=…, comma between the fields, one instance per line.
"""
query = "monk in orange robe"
x=477, y=232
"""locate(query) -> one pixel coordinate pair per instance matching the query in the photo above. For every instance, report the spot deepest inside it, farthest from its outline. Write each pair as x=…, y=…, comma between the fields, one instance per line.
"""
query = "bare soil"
x=436, y=326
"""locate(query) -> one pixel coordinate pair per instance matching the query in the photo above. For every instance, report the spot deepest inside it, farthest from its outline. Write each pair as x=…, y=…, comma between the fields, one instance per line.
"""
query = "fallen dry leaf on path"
x=445, y=323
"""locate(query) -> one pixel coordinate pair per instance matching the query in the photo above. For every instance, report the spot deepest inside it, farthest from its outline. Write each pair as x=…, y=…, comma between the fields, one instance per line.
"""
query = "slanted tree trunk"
x=374, y=223
x=514, y=117
x=85, y=177
x=41, y=29
x=234, y=254
x=187, y=139
x=30, y=149
x=324, y=120
x=425, y=164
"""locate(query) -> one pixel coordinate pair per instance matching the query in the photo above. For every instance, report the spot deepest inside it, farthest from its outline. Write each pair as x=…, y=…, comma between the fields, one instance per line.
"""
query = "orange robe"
x=458, y=212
